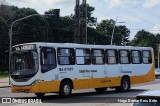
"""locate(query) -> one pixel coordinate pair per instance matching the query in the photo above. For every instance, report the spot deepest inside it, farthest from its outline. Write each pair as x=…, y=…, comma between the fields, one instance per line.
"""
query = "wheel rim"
x=66, y=89
x=125, y=85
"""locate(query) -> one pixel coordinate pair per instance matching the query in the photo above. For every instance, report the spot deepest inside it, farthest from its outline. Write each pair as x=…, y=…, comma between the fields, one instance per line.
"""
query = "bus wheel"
x=101, y=89
x=40, y=94
x=125, y=85
x=65, y=89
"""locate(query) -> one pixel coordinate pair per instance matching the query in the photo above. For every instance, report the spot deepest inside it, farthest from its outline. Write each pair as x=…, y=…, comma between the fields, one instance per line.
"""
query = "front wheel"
x=125, y=85
x=65, y=89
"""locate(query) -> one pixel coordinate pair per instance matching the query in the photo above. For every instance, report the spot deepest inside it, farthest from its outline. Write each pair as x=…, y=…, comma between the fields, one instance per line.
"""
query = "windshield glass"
x=24, y=63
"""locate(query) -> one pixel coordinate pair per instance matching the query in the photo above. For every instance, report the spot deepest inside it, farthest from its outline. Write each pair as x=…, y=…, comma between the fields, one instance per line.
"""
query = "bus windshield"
x=24, y=63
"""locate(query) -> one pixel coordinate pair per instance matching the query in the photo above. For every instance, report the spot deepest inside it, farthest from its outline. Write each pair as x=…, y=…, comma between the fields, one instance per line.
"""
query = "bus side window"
x=83, y=56
x=136, y=57
x=98, y=56
x=48, y=59
x=111, y=56
x=147, y=58
x=124, y=56
x=66, y=56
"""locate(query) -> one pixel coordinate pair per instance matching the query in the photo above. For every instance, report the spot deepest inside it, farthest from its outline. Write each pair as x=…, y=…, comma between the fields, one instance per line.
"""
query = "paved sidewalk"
x=4, y=82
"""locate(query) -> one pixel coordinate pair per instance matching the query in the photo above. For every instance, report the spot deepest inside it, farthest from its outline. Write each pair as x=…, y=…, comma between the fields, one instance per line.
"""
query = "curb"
x=5, y=86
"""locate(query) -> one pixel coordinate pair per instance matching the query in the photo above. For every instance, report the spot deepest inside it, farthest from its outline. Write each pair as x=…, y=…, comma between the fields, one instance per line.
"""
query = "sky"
x=136, y=14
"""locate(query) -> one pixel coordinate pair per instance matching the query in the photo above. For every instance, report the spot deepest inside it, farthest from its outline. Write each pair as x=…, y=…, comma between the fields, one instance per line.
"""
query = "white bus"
x=54, y=67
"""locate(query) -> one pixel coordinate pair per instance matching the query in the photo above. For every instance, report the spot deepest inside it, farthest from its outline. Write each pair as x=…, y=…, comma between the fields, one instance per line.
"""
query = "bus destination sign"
x=24, y=47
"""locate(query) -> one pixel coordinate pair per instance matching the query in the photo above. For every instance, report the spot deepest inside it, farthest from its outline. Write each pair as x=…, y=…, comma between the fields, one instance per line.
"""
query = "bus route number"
x=66, y=69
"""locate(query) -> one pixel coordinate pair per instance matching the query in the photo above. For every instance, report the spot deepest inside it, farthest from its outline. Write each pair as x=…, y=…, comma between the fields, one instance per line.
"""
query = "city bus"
x=42, y=68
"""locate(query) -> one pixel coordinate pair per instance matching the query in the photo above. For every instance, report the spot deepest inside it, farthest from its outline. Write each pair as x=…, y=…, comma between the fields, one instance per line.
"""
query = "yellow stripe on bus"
x=53, y=86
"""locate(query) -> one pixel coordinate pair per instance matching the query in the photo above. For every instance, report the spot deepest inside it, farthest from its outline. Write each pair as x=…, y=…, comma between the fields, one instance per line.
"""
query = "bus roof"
x=74, y=45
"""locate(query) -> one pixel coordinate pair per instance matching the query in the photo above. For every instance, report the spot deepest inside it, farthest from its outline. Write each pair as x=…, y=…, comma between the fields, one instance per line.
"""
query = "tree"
x=3, y=31
x=31, y=29
x=106, y=26
x=91, y=21
x=61, y=29
x=121, y=33
x=3, y=43
x=144, y=38
x=6, y=12
x=97, y=37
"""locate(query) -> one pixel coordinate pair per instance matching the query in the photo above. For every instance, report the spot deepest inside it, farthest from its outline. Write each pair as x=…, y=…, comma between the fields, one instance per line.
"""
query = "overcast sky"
x=137, y=14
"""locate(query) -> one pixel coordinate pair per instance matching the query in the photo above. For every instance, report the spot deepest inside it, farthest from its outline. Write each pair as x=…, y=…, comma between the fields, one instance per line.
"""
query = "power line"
x=125, y=10
x=123, y=13
x=144, y=29
x=154, y=4
x=147, y=11
x=131, y=29
x=113, y=18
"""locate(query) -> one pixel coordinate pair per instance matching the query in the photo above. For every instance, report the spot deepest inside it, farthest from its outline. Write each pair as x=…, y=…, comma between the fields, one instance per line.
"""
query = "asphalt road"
x=88, y=96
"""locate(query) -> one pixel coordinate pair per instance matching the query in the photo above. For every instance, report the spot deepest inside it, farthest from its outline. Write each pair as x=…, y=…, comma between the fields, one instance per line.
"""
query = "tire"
x=156, y=77
x=40, y=94
x=65, y=89
x=101, y=89
x=125, y=85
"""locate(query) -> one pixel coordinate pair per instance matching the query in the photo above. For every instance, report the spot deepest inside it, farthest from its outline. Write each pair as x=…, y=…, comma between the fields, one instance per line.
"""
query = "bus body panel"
x=86, y=76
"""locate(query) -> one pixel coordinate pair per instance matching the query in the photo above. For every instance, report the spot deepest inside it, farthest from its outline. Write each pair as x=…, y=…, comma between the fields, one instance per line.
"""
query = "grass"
x=4, y=75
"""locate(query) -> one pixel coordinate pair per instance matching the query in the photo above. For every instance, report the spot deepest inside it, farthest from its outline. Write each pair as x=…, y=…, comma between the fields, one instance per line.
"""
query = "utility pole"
x=80, y=35
x=77, y=22
x=113, y=30
x=84, y=23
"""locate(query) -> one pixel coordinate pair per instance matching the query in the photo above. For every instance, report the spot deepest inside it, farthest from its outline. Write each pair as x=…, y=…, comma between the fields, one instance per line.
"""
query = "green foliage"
x=3, y=24
x=97, y=37
x=7, y=13
x=3, y=41
x=3, y=33
x=92, y=21
x=29, y=30
x=121, y=33
x=106, y=26
x=3, y=75
x=144, y=38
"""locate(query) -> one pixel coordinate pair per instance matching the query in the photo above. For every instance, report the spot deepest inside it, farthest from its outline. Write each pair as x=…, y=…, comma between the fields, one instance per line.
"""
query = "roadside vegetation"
x=61, y=30
x=4, y=75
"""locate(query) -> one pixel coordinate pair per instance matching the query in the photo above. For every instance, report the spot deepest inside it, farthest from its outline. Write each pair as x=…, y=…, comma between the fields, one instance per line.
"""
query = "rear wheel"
x=101, y=89
x=157, y=76
x=40, y=94
x=65, y=89
x=125, y=85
